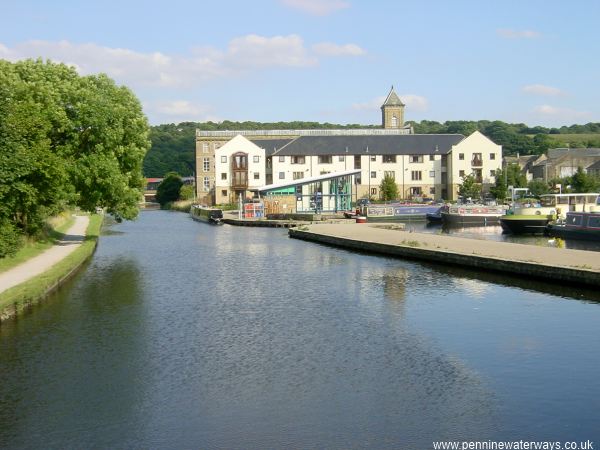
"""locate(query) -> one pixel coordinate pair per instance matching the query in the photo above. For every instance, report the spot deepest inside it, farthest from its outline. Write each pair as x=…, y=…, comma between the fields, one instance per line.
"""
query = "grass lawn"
x=19, y=297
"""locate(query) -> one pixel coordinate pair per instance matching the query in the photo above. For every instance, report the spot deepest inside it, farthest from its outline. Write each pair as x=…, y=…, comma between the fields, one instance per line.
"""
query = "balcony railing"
x=476, y=162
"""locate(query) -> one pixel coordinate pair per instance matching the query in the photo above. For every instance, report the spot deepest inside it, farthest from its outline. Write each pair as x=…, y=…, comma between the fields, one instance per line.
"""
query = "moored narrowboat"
x=207, y=214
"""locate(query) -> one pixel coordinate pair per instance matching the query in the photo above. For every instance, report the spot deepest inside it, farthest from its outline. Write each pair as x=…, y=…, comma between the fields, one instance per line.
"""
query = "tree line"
x=65, y=141
x=173, y=145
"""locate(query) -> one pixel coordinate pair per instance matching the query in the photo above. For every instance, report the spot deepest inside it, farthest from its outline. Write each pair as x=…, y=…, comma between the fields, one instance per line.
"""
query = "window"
x=217, y=145
x=223, y=176
x=461, y=173
x=373, y=158
x=373, y=191
x=431, y=157
x=492, y=156
x=431, y=191
x=416, y=175
x=432, y=174
x=324, y=159
x=256, y=158
x=224, y=192
x=373, y=174
x=206, y=164
x=282, y=159
x=461, y=156
x=394, y=122
x=257, y=175
x=416, y=191
x=389, y=173
x=341, y=158
x=297, y=159
x=282, y=175
x=416, y=158
x=389, y=158
x=492, y=173
x=224, y=159
x=206, y=184
x=205, y=147
x=298, y=175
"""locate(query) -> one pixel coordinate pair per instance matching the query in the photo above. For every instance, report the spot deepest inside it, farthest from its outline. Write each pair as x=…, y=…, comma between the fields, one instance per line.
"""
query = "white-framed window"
x=373, y=174
x=461, y=156
x=205, y=147
x=389, y=173
x=206, y=164
x=325, y=159
x=416, y=158
x=282, y=175
x=388, y=158
x=492, y=156
x=431, y=157
x=224, y=192
x=431, y=191
x=394, y=121
x=461, y=173
x=416, y=175
x=298, y=175
x=432, y=174
x=256, y=158
x=282, y=159
x=257, y=175
x=297, y=159
x=492, y=173
x=373, y=157
x=341, y=158
x=206, y=184
x=373, y=191
x=224, y=159
x=223, y=176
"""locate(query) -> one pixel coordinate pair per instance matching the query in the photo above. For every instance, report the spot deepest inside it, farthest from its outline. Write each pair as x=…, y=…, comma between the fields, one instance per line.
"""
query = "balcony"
x=476, y=162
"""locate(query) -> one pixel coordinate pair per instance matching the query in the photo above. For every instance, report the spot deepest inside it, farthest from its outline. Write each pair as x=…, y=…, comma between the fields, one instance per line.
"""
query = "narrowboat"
x=532, y=216
x=472, y=215
x=577, y=225
x=398, y=211
x=207, y=214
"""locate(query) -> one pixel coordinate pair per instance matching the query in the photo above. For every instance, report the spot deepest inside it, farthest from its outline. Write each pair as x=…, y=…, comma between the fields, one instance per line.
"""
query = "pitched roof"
x=271, y=145
x=392, y=99
x=595, y=166
x=407, y=144
x=308, y=180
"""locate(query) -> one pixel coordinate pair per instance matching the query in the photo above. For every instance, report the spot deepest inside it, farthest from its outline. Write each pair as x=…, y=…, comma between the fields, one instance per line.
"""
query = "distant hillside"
x=173, y=145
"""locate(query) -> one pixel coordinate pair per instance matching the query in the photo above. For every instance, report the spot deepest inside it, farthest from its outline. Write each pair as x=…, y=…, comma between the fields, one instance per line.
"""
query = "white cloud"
x=540, y=89
x=180, y=111
x=562, y=113
x=243, y=54
x=415, y=102
x=517, y=34
x=331, y=49
x=317, y=7
x=259, y=51
x=412, y=102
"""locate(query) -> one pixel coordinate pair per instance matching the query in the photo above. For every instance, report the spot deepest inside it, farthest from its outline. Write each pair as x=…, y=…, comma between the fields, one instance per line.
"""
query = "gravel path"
x=44, y=261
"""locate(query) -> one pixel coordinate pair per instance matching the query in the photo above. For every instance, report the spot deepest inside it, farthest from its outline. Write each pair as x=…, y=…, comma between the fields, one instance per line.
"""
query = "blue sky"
x=326, y=60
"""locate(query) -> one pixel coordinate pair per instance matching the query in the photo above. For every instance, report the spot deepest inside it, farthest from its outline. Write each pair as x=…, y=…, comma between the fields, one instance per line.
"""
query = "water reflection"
x=185, y=335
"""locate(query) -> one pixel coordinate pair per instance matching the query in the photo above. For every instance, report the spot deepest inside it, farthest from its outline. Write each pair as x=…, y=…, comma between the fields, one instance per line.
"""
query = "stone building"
x=229, y=164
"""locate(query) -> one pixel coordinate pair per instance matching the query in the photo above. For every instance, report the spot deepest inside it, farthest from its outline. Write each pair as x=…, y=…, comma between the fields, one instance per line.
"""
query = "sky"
x=535, y=62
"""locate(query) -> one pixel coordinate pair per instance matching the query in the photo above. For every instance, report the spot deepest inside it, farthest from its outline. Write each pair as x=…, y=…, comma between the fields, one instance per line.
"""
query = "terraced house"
x=233, y=163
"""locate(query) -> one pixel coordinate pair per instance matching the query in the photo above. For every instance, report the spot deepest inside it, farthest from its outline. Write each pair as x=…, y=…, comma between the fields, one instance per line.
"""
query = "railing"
x=476, y=162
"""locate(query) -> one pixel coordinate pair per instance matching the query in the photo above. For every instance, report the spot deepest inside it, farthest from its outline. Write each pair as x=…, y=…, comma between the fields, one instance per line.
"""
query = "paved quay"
x=556, y=264
x=74, y=237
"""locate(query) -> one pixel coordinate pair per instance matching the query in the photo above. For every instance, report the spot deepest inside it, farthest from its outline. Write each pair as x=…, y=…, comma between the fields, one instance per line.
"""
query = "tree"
x=66, y=140
x=469, y=188
x=388, y=188
x=538, y=187
x=168, y=190
x=582, y=182
x=187, y=192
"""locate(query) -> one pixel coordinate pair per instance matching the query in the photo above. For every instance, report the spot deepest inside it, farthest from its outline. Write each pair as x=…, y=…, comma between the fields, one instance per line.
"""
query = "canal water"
x=184, y=335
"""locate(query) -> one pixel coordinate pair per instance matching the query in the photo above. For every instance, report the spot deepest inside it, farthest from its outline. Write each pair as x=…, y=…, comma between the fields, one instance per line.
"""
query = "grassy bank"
x=54, y=231
x=20, y=297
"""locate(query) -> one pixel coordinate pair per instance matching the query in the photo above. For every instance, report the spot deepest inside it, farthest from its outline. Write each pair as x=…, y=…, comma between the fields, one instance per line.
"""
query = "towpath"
x=37, y=265
x=559, y=264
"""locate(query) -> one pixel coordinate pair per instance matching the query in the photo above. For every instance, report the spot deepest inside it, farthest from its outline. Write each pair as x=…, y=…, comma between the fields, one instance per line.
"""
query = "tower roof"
x=392, y=99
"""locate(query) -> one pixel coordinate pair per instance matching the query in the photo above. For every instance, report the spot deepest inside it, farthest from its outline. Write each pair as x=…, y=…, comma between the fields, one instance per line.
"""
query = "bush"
x=10, y=239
